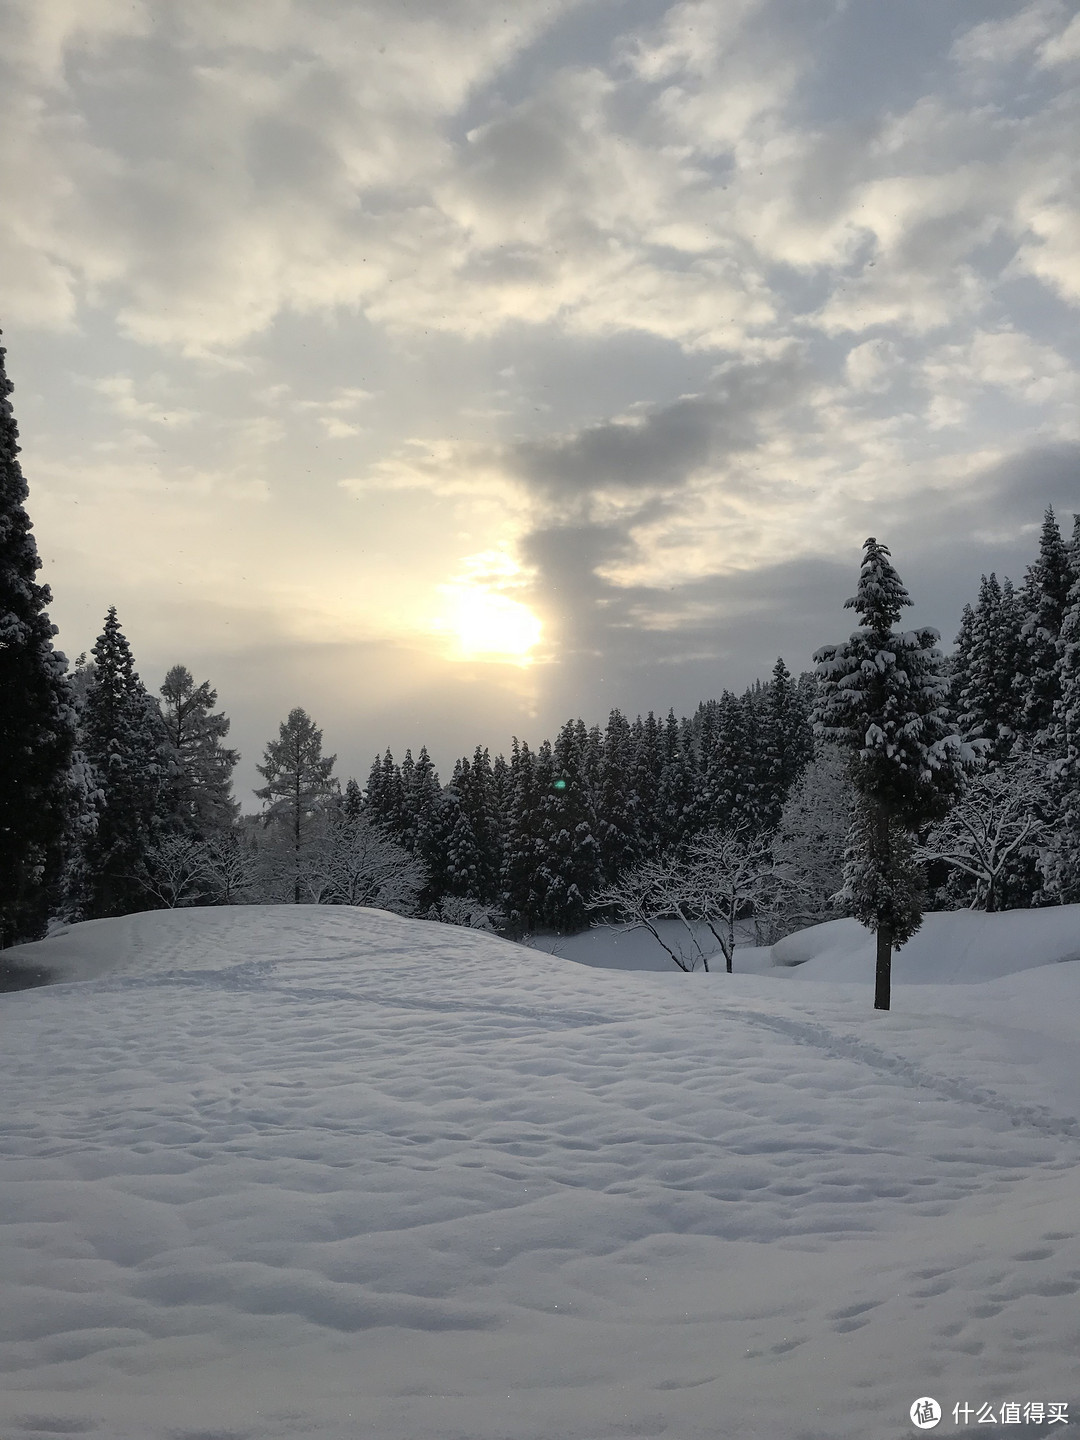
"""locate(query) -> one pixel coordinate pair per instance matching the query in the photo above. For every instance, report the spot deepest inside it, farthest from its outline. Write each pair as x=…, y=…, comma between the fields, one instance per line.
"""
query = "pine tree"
x=883, y=695
x=352, y=800
x=789, y=740
x=37, y=715
x=474, y=845
x=520, y=896
x=298, y=785
x=203, y=783
x=1061, y=867
x=1044, y=600
x=648, y=766
x=617, y=831
x=675, y=793
x=125, y=743
x=730, y=782
x=983, y=692
x=569, y=860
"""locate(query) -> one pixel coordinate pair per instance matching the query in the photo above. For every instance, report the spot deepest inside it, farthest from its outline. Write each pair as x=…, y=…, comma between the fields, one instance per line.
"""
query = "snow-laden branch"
x=1000, y=816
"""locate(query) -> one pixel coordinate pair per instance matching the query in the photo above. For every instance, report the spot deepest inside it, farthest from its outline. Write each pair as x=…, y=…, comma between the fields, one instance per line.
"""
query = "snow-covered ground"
x=287, y=1171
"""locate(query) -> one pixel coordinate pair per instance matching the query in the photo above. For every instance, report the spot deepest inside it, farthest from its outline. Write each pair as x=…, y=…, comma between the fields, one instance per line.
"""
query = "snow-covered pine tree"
x=520, y=898
x=647, y=769
x=423, y=803
x=729, y=781
x=352, y=800
x=883, y=884
x=675, y=793
x=984, y=683
x=958, y=665
x=487, y=822
x=1044, y=599
x=125, y=743
x=1060, y=863
x=569, y=854
x=37, y=714
x=298, y=784
x=788, y=742
x=883, y=694
x=203, y=782
x=616, y=819
x=474, y=845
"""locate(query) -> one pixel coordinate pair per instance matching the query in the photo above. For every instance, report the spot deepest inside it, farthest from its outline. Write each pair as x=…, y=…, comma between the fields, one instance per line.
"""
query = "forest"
x=888, y=779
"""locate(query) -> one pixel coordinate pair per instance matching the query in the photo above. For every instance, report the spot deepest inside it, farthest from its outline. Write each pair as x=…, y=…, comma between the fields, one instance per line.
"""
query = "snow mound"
x=295, y=1171
x=953, y=947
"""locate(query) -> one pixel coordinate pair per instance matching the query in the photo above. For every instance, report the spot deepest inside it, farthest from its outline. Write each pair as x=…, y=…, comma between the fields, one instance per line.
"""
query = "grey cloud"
x=663, y=448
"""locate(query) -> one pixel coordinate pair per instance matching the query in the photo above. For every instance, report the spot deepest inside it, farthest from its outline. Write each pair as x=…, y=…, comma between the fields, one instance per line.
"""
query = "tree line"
x=887, y=779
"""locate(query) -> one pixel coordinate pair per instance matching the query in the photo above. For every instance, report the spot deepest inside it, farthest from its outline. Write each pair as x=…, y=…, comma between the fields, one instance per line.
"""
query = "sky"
x=450, y=369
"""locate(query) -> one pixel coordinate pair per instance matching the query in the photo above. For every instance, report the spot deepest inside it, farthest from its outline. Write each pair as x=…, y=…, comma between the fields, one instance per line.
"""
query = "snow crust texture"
x=287, y=1171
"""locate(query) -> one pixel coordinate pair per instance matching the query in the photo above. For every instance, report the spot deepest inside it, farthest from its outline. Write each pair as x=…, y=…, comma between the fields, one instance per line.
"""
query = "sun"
x=489, y=626
x=483, y=621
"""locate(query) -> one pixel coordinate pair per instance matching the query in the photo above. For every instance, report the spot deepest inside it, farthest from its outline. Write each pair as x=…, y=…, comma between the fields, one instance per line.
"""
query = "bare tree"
x=468, y=912
x=732, y=873
x=811, y=837
x=175, y=871
x=229, y=866
x=652, y=891
x=350, y=861
x=999, y=818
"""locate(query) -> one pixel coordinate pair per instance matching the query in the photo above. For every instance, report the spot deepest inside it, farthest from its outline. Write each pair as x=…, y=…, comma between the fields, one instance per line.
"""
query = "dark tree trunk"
x=883, y=974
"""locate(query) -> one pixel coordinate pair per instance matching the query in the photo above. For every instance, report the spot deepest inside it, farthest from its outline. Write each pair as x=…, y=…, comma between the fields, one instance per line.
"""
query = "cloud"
x=119, y=393
x=660, y=449
x=1004, y=360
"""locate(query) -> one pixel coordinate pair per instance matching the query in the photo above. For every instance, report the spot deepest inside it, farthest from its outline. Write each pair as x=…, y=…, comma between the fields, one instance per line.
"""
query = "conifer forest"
x=888, y=779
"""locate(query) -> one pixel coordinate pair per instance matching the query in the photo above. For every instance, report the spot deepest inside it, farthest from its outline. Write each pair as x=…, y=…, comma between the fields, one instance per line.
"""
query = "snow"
x=952, y=947
x=297, y=1171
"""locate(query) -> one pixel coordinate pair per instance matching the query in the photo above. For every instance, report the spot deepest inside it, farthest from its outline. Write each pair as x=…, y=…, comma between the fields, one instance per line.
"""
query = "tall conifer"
x=124, y=740
x=37, y=717
x=883, y=695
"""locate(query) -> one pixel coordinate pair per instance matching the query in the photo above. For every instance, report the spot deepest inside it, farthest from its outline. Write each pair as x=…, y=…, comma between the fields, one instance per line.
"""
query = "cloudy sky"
x=450, y=368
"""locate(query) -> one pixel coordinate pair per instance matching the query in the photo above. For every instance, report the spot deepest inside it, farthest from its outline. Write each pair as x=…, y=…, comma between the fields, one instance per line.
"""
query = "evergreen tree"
x=1044, y=599
x=520, y=896
x=883, y=695
x=386, y=795
x=124, y=740
x=352, y=801
x=789, y=740
x=37, y=715
x=648, y=766
x=298, y=784
x=958, y=666
x=984, y=677
x=203, y=781
x=474, y=844
x=1061, y=867
x=730, y=782
x=675, y=793
x=616, y=810
x=569, y=860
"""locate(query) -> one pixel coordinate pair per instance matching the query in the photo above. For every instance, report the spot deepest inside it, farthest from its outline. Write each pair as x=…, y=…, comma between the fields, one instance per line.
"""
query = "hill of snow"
x=290, y=1171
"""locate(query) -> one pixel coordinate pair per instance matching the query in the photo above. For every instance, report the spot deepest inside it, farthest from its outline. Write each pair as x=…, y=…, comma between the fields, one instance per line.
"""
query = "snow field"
x=283, y=1171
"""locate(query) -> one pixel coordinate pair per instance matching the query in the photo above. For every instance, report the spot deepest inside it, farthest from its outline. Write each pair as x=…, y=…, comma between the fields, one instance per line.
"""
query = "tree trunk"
x=883, y=975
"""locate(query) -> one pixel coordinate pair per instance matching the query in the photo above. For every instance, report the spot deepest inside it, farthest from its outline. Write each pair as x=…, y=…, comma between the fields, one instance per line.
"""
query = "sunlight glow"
x=484, y=622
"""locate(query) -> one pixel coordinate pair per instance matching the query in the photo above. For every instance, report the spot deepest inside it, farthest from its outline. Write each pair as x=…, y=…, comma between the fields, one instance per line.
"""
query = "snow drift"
x=286, y=1171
